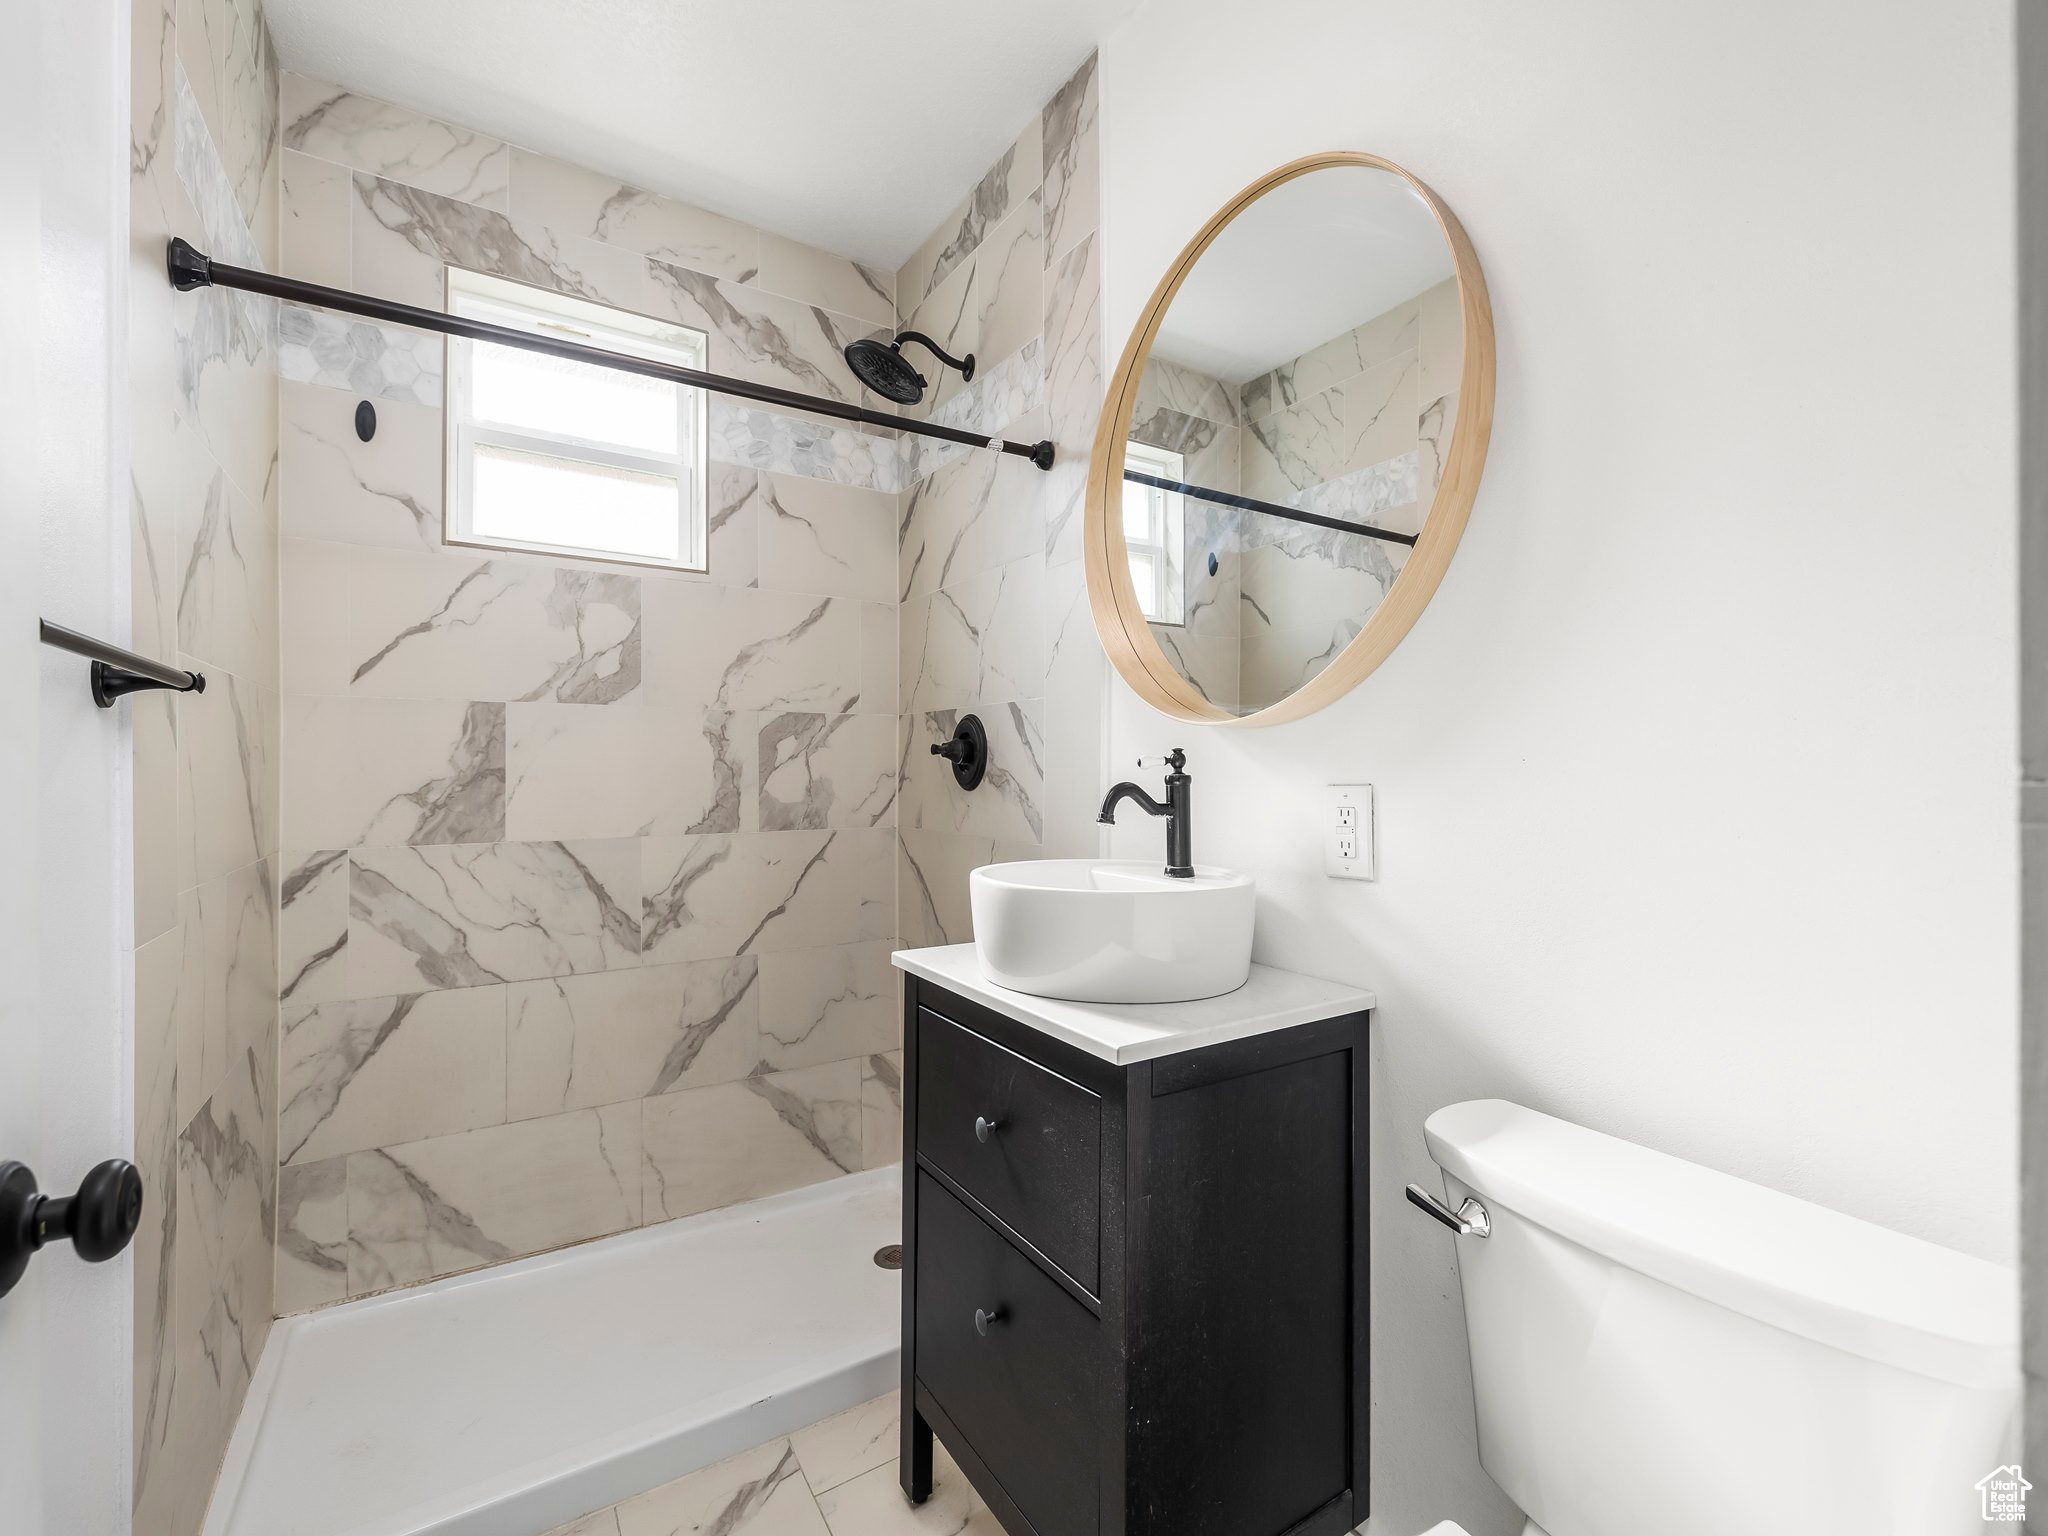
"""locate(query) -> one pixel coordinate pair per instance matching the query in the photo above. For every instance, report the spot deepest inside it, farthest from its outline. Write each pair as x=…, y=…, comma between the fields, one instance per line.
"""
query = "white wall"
x=1697, y=778
x=64, y=1016
x=2032, y=40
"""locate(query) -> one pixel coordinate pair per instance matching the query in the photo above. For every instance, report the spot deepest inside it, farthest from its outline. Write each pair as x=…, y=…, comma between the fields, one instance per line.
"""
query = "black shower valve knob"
x=966, y=750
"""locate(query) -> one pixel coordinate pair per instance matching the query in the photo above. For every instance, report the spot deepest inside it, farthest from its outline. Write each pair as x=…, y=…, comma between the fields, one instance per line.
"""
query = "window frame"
x=1167, y=518
x=608, y=328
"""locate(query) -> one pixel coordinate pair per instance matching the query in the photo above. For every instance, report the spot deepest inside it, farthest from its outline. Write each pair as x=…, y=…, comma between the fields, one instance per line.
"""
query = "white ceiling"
x=852, y=126
x=1305, y=263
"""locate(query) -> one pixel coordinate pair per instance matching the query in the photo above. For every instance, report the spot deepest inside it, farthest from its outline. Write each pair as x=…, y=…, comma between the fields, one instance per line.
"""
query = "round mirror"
x=1290, y=444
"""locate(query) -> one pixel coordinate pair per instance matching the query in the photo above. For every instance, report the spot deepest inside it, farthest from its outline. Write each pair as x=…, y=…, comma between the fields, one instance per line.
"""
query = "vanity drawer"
x=1024, y=1395
x=1040, y=1167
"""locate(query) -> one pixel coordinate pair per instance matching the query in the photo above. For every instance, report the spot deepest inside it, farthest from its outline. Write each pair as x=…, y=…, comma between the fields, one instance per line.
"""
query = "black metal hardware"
x=985, y=1127
x=99, y=1220
x=1212, y=562
x=968, y=751
x=964, y=364
x=116, y=671
x=190, y=268
x=1041, y=453
x=1270, y=508
x=983, y=1319
x=366, y=420
x=1177, y=809
x=883, y=368
x=889, y=1257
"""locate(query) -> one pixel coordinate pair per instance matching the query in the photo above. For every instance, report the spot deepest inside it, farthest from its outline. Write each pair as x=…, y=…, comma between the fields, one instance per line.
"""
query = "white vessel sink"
x=1111, y=931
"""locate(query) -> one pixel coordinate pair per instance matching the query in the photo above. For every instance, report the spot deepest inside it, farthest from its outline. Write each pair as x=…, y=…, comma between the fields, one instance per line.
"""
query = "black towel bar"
x=116, y=671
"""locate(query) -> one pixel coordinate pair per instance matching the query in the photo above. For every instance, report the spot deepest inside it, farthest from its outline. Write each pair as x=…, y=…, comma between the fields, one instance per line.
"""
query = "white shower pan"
x=511, y=1400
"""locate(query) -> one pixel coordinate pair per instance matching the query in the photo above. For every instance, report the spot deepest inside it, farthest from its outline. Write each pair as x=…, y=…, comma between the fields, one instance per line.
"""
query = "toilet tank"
x=1660, y=1347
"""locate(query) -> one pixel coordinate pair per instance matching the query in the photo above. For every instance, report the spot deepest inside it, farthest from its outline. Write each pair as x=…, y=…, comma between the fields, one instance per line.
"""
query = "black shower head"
x=883, y=368
x=886, y=371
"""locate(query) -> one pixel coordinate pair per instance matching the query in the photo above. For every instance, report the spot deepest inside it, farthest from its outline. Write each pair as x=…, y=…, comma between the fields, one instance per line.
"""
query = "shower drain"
x=890, y=1257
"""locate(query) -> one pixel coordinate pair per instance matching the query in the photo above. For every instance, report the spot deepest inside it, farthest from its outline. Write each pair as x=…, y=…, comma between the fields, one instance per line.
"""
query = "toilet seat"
x=1452, y=1528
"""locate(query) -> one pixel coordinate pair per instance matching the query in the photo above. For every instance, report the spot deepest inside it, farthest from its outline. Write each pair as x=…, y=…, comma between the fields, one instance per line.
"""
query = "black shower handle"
x=966, y=750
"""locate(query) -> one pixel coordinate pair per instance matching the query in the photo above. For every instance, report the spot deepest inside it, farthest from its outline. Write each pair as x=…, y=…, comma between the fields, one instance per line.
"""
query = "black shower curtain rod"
x=1270, y=508
x=191, y=268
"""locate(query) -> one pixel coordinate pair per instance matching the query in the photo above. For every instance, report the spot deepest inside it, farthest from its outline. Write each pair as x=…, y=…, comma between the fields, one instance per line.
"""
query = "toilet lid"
x=1446, y=1528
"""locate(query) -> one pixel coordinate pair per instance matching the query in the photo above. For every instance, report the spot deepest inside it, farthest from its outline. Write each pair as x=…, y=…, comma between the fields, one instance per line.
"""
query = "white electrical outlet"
x=1347, y=832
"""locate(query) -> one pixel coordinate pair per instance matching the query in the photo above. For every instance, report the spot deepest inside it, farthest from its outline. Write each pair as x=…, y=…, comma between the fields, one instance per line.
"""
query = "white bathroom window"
x=1153, y=535
x=573, y=458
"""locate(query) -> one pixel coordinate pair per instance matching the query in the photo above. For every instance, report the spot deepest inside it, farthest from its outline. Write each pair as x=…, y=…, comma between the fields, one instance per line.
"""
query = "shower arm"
x=190, y=268
x=964, y=366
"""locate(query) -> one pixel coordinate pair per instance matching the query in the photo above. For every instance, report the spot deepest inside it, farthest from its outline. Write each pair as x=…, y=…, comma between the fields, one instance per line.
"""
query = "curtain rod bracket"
x=188, y=267
x=111, y=683
x=117, y=671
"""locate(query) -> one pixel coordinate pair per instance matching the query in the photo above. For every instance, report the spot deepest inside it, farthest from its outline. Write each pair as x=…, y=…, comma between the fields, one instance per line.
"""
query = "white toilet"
x=1659, y=1347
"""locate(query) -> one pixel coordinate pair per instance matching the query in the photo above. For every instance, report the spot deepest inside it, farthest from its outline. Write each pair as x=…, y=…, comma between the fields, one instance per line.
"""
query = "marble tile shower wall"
x=589, y=877
x=994, y=616
x=203, y=514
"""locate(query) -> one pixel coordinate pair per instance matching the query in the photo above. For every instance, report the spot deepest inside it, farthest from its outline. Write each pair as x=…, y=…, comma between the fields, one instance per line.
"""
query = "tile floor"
x=834, y=1478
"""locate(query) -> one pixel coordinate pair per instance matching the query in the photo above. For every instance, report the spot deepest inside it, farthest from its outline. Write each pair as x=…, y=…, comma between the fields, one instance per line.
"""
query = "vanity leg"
x=916, y=1463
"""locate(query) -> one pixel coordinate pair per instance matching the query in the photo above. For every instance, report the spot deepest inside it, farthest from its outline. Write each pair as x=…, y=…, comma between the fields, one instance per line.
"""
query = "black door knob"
x=99, y=1220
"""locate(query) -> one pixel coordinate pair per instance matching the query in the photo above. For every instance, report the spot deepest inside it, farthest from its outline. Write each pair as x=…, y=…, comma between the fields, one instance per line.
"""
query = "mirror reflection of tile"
x=1356, y=428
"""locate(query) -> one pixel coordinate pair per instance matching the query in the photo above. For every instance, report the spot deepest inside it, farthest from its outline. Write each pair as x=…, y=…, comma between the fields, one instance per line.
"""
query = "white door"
x=65, y=1037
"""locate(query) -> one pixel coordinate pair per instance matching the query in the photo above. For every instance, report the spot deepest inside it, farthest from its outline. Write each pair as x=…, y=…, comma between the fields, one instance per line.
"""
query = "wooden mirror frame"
x=1132, y=647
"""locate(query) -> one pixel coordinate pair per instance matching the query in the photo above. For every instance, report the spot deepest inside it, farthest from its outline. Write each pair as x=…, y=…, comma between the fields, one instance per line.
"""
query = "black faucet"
x=1180, y=852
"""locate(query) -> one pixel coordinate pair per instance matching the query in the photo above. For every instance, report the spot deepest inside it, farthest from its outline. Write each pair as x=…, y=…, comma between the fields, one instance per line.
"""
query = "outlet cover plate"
x=1348, y=833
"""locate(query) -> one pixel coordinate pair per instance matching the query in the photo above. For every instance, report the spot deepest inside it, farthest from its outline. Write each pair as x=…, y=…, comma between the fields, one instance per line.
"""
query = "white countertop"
x=1126, y=1032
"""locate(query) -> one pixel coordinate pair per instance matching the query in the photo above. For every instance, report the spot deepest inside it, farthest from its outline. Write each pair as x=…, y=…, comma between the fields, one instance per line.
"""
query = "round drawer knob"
x=984, y=1127
x=982, y=1320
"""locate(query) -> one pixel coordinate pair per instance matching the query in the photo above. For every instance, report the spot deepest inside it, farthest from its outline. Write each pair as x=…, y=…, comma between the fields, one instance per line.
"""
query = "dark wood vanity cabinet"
x=1134, y=1297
